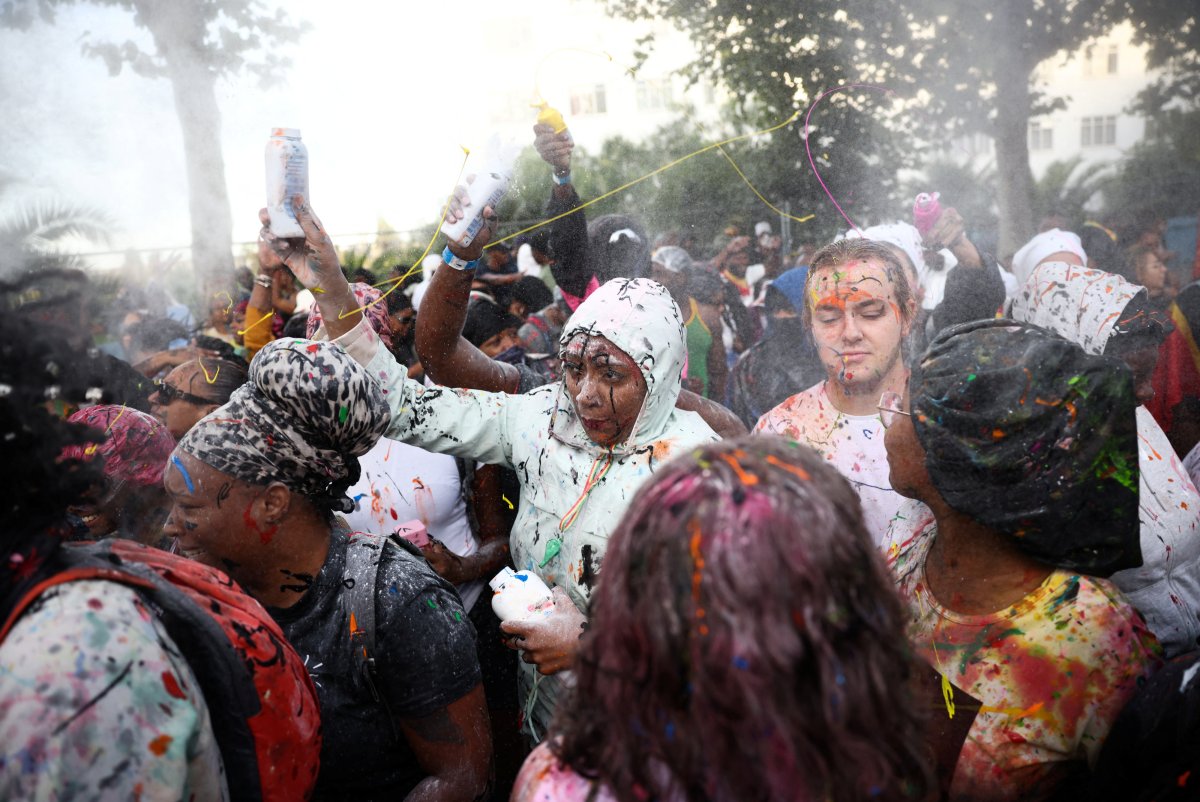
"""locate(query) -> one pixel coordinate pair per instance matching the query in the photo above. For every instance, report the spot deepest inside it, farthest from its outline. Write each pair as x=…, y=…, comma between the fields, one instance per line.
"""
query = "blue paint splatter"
x=741, y=662
x=187, y=480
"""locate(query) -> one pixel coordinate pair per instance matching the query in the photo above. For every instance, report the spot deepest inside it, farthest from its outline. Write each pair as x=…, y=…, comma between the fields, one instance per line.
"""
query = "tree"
x=776, y=57
x=961, y=66
x=1067, y=187
x=195, y=43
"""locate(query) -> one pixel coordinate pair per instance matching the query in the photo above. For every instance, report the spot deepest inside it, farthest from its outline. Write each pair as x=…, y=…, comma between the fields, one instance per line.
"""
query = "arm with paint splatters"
x=463, y=423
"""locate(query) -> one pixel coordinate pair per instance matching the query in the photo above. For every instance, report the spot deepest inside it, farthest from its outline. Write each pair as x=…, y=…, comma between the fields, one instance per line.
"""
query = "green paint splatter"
x=971, y=378
x=432, y=604
x=343, y=413
x=457, y=615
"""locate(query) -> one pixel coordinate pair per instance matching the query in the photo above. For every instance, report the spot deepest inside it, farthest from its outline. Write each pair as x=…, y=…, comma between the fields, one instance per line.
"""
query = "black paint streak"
x=303, y=582
x=588, y=578
x=92, y=702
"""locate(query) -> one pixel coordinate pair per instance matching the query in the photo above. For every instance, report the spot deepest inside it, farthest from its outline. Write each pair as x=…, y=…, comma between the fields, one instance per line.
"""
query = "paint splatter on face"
x=857, y=323
x=606, y=387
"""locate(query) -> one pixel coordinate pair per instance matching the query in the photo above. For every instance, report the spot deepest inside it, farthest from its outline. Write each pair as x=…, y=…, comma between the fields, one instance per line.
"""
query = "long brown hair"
x=746, y=641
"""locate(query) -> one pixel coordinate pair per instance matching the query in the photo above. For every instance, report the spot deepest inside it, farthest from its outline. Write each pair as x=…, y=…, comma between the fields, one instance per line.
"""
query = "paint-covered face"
x=215, y=517
x=1152, y=273
x=177, y=403
x=907, y=475
x=606, y=387
x=857, y=323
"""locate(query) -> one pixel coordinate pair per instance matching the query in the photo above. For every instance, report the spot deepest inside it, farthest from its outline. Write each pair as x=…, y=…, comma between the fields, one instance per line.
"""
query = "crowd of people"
x=883, y=519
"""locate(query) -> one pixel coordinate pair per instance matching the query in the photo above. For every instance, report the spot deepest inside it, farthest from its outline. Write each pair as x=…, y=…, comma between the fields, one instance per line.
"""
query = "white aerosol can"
x=518, y=595
x=492, y=179
x=287, y=175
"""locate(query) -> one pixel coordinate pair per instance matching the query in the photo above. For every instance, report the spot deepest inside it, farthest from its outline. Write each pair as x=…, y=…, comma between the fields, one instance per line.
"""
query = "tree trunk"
x=1013, y=104
x=179, y=36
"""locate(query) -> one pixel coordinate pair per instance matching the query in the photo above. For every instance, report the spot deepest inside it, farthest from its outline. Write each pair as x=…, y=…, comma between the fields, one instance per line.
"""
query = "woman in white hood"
x=581, y=447
x=1106, y=314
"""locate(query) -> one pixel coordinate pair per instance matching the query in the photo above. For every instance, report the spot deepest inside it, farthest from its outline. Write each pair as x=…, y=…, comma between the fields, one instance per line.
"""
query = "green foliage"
x=1067, y=189
x=32, y=233
x=1159, y=178
x=229, y=36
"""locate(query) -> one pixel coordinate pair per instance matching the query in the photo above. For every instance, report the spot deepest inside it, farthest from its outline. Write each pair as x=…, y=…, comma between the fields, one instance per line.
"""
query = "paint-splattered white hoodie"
x=539, y=436
x=1084, y=306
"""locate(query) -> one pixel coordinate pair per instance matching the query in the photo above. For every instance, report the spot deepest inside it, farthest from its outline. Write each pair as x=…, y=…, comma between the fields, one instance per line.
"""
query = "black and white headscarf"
x=304, y=417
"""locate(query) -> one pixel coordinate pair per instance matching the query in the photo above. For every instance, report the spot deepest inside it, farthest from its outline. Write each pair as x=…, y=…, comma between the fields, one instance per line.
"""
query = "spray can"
x=414, y=532
x=519, y=595
x=926, y=211
x=286, y=161
x=488, y=189
x=548, y=115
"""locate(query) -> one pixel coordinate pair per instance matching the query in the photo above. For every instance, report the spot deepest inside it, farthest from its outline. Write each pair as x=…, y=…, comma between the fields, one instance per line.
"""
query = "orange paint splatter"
x=792, y=469
x=160, y=744
x=743, y=477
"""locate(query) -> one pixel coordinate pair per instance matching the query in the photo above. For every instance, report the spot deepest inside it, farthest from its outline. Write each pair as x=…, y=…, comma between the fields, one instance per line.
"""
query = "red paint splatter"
x=1183, y=779
x=160, y=744
x=312, y=349
x=95, y=604
x=264, y=535
x=172, y=685
x=395, y=517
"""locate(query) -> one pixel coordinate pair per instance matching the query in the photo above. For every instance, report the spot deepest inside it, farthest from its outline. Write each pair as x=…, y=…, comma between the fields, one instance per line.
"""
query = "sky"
x=385, y=95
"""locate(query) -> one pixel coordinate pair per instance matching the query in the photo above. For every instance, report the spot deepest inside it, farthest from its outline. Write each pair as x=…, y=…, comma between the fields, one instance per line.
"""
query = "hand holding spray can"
x=519, y=595
x=488, y=189
x=286, y=161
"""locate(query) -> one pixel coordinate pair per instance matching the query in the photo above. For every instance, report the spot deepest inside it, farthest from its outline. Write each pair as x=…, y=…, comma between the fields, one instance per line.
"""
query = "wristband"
x=561, y=180
x=458, y=264
x=263, y=281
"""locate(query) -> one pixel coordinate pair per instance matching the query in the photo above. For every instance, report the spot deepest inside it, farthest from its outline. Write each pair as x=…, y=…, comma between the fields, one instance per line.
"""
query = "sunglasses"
x=889, y=407
x=169, y=393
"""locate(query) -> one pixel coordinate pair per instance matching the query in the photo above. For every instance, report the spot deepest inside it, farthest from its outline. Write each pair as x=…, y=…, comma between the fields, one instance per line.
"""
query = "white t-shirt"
x=851, y=443
x=401, y=483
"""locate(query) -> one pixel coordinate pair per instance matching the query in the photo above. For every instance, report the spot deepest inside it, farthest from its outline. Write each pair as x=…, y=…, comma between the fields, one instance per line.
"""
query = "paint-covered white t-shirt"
x=401, y=483
x=851, y=443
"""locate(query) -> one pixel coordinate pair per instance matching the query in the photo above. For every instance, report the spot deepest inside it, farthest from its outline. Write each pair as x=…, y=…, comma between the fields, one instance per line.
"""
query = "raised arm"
x=448, y=358
x=568, y=235
x=467, y=423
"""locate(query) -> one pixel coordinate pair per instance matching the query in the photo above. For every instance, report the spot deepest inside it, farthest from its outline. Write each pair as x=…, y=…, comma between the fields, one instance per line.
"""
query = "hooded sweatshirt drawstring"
x=594, y=478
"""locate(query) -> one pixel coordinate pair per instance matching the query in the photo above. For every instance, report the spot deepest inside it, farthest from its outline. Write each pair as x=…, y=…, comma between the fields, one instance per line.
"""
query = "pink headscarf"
x=375, y=310
x=136, y=449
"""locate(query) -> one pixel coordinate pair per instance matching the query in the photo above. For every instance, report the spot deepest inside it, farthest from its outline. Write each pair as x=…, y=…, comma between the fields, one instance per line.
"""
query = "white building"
x=1099, y=83
x=568, y=44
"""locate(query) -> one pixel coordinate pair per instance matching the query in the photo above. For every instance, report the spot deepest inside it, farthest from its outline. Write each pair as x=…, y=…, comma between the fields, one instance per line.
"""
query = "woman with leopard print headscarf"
x=256, y=486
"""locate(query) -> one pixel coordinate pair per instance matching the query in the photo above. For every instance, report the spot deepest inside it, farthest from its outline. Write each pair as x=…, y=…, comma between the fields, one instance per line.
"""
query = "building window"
x=1098, y=131
x=653, y=95
x=589, y=100
x=1112, y=59
x=1041, y=136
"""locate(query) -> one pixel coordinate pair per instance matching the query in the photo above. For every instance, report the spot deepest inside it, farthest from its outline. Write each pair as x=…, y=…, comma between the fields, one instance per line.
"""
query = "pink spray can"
x=414, y=532
x=926, y=211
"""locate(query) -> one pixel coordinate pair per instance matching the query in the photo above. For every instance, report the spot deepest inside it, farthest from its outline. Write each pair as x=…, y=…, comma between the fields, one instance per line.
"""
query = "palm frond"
x=40, y=224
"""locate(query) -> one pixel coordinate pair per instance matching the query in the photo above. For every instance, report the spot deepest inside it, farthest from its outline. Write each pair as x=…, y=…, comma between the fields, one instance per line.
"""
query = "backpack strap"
x=362, y=560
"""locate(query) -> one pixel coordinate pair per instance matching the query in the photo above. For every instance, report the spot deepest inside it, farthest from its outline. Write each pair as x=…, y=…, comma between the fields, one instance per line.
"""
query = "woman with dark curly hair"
x=745, y=644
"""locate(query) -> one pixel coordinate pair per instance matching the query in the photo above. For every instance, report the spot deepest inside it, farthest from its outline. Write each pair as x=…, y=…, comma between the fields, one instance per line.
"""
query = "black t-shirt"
x=425, y=658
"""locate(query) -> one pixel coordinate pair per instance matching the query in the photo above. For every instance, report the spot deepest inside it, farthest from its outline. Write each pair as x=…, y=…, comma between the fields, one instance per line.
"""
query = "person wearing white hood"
x=1054, y=245
x=580, y=447
x=1106, y=314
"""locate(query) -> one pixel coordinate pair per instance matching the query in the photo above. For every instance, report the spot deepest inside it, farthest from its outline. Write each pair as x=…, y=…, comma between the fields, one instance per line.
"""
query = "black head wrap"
x=618, y=248
x=1034, y=438
x=305, y=416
